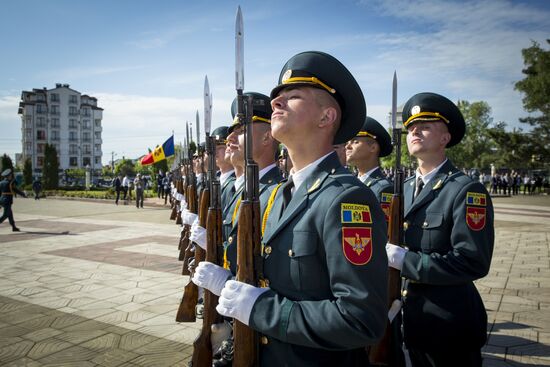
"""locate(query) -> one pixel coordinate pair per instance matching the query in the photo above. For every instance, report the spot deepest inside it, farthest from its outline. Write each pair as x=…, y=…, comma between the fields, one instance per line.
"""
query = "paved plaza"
x=88, y=283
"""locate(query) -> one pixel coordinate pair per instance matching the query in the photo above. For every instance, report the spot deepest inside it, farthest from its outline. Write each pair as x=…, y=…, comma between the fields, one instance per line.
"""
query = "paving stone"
x=114, y=357
x=46, y=347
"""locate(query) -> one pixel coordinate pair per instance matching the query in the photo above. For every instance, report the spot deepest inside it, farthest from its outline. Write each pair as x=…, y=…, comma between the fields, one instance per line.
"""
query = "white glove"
x=237, y=299
x=188, y=218
x=396, y=256
x=211, y=277
x=220, y=332
x=198, y=235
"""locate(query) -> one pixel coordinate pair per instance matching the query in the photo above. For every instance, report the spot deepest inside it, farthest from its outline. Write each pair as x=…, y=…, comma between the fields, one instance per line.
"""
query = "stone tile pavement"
x=94, y=284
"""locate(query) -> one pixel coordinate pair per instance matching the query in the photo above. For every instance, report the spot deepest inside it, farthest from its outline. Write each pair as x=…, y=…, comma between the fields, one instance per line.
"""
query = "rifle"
x=248, y=233
x=174, y=213
x=379, y=354
x=186, y=309
x=184, y=235
x=186, y=249
x=202, y=346
x=179, y=190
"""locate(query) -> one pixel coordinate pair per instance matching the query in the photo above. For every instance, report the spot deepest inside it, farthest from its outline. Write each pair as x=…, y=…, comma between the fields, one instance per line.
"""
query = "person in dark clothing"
x=7, y=192
x=37, y=188
x=117, y=184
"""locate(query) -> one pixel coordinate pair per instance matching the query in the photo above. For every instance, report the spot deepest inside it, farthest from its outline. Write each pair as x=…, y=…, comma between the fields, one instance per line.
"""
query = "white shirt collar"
x=300, y=176
x=239, y=182
x=224, y=176
x=428, y=176
x=367, y=174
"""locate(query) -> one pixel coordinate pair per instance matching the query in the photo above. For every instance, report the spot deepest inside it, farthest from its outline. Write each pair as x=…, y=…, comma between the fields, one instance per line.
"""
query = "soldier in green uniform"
x=7, y=191
x=324, y=260
x=223, y=162
x=449, y=238
x=364, y=152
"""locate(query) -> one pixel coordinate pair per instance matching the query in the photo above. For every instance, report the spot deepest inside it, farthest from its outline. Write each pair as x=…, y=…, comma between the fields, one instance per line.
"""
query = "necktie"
x=287, y=193
x=419, y=186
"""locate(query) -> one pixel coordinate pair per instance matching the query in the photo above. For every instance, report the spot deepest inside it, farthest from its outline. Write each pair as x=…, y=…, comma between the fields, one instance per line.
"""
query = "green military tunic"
x=450, y=235
x=382, y=189
x=231, y=215
x=326, y=267
x=227, y=190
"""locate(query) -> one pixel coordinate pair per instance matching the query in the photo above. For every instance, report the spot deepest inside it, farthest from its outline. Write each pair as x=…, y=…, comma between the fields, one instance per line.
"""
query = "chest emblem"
x=357, y=244
x=476, y=218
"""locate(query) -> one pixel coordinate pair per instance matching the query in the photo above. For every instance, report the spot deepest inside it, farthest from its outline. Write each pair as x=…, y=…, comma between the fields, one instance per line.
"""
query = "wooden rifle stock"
x=248, y=249
x=186, y=249
x=179, y=188
x=202, y=347
x=186, y=309
x=379, y=354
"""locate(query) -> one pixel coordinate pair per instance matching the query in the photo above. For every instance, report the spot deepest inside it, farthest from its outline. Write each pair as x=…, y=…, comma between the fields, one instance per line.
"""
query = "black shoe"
x=226, y=354
x=15, y=229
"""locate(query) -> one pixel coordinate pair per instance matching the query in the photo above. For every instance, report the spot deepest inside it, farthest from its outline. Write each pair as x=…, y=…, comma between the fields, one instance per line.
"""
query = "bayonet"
x=207, y=107
x=239, y=51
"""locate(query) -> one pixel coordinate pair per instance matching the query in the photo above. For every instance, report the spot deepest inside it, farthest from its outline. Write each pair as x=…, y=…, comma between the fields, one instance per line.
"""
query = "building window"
x=97, y=123
x=54, y=110
x=54, y=97
x=86, y=161
x=72, y=124
x=40, y=135
x=86, y=137
x=86, y=124
x=54, y=135
x=73, y=149
x=97, y=135
x=72, y=136
x=28, y=121
x=73, y=111
x=40, y=108
x=86, y=112
x=28, y=148
x=72, y=98
x=73, y=161
x=87, y=149
x=97, y=147
x=40, y=148
x=40, y=122
x=39, y=161
x=97, y=160
x=55, y=123
x=28, y=134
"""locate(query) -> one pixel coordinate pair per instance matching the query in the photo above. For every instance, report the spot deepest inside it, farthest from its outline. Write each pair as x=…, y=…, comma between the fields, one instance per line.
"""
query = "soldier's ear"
x=328, y=117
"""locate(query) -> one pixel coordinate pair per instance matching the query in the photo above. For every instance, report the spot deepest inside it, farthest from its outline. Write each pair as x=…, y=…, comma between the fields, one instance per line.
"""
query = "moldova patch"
x=476, y=217
x=357, y=244
x=385, y=197
x=476, y=198
x=355, y=213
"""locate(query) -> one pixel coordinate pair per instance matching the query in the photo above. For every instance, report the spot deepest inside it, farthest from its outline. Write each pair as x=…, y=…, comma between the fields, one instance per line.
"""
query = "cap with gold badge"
x=372, y=129
x=261, y=105
x=320, y=70
x=432, y=107
x=220, y=134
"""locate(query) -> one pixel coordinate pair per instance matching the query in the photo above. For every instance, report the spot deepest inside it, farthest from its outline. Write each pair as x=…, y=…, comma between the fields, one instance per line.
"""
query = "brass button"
x=267, y=250
x=404, y=293
x=290, y=253
x=405, y=225
x=264, y=340
x=230, y=239
x=425, y=224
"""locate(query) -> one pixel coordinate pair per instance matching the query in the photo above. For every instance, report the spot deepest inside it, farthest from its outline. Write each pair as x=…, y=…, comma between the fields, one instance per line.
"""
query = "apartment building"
x=65, y=118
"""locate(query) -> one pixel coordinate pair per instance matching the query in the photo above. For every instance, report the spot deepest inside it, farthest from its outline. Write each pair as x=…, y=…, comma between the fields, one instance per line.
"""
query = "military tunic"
x=450, y=235
x=231, y=215
x=326, y=267
x=382, y=189
x=227, y=190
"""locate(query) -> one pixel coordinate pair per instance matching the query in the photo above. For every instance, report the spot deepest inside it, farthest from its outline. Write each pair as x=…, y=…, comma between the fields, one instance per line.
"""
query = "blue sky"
x=145, y=61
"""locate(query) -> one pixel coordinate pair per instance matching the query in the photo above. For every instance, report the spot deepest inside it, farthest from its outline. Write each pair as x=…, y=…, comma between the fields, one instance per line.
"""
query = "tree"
x=536, y=96
x=6, y=163
x=475, y=149
x=50, y=171
x=27, y=172
x=125, y=167
x=512, y=148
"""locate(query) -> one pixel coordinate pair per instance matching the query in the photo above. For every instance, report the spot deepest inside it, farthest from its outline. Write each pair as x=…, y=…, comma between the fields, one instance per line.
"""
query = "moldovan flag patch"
x=357, y=244
x=475, y=218
x=475, y=198
x=355, y=213
x=385, y=202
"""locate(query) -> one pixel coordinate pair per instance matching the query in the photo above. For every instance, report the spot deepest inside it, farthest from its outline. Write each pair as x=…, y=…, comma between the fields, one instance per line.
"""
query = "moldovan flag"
x=161, y=152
